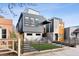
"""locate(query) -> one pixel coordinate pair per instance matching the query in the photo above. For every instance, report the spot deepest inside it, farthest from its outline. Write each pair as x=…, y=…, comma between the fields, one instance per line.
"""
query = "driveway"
x=68, y=51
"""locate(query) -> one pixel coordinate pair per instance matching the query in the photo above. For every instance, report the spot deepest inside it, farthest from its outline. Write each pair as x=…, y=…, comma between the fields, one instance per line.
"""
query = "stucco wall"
x=32, y=37
x=7, y=24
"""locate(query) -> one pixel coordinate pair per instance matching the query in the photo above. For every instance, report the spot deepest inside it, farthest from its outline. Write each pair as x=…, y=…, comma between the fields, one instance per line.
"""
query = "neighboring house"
x=55, y=29
x=69, y=34
x=30, y=25
x=5, y=30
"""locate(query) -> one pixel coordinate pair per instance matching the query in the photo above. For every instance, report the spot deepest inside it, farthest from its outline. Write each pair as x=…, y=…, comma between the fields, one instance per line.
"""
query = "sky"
x=69, y=13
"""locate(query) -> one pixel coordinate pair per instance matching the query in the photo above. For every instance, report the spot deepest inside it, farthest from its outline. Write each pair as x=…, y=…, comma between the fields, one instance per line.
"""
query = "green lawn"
x=44, y=46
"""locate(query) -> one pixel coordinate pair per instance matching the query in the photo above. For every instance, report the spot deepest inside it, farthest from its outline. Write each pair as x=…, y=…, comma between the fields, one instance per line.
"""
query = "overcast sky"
x=68, y=12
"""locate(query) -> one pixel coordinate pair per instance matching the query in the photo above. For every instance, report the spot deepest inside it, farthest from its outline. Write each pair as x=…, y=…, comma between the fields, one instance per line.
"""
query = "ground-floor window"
x=29, y=34
x=33, y=34
x=38, y=34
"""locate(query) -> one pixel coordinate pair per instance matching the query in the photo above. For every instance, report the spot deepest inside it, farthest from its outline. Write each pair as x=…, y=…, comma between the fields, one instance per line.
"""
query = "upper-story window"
x=32, y=21
x=26, y=17
x=26, y=21
x=37, y=21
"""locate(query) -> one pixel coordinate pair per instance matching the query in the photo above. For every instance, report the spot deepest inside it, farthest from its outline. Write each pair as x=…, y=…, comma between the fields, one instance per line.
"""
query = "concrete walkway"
x=68, y=51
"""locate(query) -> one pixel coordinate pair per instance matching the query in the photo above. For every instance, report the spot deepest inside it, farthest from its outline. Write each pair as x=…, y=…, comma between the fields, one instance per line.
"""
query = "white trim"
x=7, y=33
x=0, y=33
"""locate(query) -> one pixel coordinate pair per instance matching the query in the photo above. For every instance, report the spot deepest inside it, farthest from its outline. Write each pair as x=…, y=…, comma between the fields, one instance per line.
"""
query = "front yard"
x=44, y=46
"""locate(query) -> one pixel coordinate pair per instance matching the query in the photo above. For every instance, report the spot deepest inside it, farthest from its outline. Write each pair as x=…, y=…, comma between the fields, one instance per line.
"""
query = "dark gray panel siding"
x=67, y=34
x=51, y=26
x=20, y=25
x=35, y=28
x=41, y=18
x=47, y=27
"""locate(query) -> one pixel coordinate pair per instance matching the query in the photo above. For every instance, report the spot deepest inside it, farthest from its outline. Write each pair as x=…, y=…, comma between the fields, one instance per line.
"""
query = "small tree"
x=13, y=35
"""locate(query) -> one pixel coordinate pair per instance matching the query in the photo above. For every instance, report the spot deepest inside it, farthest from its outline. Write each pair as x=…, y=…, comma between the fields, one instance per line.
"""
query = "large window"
x=26, y=21
x=32, y=21
x=47, y=27
x=3, y=33
x=37, y=21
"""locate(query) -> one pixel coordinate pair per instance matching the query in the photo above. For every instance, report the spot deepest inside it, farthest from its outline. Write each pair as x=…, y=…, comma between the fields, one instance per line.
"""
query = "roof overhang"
x=45, y=22
x=76, y=31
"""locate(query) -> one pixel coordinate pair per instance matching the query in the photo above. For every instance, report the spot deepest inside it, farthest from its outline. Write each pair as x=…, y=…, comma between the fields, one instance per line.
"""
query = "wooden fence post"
x=13, y=44
x=19, y=47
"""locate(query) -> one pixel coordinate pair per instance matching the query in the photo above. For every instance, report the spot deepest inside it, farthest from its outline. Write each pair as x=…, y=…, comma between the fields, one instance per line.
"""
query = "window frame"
x=32, y=21
x=29, y=34
x=4, y=34
x=38, y=34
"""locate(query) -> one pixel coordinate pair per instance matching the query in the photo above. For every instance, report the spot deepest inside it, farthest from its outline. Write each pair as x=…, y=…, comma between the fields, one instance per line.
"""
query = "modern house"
x=30, y=25
x=55, y=29
x=70, y=35
x=6, y=27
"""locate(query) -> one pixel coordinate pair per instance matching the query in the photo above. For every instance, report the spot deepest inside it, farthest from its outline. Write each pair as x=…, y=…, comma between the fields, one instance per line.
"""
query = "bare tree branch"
x=11, y=7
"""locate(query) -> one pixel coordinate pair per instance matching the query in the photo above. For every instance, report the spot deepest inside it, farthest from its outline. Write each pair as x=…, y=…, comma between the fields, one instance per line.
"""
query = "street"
x=68, y=51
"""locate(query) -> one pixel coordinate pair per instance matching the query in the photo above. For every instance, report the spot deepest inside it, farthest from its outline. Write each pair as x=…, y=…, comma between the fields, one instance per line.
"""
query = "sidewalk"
x=67, y=51
x=44, y=51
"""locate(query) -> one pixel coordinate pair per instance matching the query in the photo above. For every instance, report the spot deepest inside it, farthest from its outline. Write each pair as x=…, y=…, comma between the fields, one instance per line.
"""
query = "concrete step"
x=28, y=50
x=26, y=45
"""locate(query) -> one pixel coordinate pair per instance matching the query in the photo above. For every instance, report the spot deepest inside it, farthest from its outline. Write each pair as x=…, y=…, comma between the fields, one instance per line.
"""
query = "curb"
x=29, y=53
x=44, y=51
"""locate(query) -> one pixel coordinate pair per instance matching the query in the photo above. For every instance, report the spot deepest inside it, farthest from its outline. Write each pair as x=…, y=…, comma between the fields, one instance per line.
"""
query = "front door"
x=56, y=37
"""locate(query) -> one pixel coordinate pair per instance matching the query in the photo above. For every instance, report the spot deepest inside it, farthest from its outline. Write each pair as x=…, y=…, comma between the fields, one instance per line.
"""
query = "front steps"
x=27, y=47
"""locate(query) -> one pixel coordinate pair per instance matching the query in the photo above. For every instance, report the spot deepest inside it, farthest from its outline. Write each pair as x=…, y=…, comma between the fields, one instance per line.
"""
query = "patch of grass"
x=44, y=46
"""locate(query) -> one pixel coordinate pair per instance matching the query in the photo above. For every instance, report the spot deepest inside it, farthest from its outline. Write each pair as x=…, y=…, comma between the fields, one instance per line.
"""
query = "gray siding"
x=47, y=27
x=33, y=27
x=29, y=25
x=67, y=33
x=50, y=26
x=20, y=24
x=41, y=18
x=69, y=36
